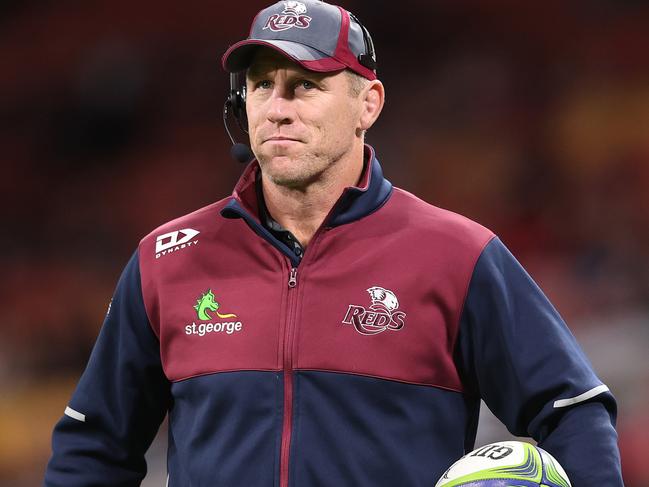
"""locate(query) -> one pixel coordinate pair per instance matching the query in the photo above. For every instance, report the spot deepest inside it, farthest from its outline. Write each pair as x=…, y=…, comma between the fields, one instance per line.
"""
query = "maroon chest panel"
x=395, y=286
x=215, y=306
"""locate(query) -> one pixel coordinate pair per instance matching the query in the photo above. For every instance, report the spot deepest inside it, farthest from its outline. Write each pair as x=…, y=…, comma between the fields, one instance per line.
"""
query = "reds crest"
x=293, y=15
x=382, y=314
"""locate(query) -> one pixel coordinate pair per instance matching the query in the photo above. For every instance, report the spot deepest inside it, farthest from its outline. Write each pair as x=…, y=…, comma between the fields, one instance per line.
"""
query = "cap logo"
x=293, y=15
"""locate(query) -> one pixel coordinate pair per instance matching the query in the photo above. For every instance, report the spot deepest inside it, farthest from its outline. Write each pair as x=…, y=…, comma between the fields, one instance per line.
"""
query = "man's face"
x=300, y=122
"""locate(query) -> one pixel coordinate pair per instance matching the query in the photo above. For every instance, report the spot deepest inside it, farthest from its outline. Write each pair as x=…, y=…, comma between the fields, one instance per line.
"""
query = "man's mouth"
x=280, y=138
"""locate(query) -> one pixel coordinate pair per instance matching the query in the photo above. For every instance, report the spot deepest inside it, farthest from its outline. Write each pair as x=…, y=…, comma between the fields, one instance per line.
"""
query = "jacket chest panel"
x=382, y=326
x=222, y=316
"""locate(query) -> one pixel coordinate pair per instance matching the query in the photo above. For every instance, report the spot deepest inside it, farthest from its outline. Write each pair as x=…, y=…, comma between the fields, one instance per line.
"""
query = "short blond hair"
x=356, y=83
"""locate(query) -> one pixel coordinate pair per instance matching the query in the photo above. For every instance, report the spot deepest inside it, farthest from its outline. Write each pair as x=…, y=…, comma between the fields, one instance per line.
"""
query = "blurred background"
x=529, y=117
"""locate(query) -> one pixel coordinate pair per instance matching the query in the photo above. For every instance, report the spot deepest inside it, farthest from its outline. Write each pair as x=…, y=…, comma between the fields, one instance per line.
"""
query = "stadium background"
x=529, y=117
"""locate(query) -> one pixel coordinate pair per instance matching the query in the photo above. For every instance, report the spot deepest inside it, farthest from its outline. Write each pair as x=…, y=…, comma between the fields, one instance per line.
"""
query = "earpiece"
x=237, y=99
x=236, y=103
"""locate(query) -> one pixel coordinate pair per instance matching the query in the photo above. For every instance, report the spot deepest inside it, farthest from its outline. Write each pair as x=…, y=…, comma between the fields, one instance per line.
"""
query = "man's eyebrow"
x=258, y=71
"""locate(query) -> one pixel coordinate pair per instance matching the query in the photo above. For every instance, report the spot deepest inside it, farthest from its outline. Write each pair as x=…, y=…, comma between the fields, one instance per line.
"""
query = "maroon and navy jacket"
x=361, y=364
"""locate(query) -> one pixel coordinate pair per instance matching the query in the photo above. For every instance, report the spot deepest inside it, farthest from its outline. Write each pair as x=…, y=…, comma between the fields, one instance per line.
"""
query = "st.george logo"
x=204, y=305
x=382, y=314
x=174, y=241
x=293, y=15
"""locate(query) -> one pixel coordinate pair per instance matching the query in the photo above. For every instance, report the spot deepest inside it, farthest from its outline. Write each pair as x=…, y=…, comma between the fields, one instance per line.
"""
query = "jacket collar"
x=372, y=191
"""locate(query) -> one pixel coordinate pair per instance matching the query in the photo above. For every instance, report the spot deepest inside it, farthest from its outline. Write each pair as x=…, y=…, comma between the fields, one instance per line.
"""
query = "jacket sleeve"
x=516, y=352
x=119, y=403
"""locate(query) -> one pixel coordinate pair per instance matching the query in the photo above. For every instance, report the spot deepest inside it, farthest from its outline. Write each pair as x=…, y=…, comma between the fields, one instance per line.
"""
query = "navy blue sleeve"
x=119, y=403
x=517, y=354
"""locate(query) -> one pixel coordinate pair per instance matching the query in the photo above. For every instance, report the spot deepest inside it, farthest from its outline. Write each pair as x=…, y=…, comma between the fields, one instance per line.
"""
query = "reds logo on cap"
x=291, y=16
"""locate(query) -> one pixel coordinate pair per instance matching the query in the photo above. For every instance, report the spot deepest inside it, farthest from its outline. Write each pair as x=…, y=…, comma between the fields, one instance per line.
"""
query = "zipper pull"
x=292, y=280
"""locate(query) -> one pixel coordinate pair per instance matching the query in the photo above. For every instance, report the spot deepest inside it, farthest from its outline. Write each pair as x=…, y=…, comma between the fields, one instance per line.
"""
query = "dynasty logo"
x=173, y=241
x=382, y=314
x=291, y=16
x=203, y=306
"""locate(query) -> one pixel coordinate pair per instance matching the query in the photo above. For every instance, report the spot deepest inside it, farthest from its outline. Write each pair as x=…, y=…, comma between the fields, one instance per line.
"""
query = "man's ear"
x=373, y=99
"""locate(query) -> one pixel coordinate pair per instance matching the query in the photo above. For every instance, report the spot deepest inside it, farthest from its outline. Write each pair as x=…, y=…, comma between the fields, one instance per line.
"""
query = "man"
x=320, y=327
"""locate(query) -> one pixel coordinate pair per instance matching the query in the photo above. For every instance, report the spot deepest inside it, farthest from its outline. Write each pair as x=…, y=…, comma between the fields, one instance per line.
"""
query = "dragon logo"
x=293, y=15
x=382, y=314
x=206, y=303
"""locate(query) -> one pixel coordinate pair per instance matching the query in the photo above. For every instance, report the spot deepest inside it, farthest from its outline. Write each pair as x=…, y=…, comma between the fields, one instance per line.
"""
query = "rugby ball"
x=505, y=464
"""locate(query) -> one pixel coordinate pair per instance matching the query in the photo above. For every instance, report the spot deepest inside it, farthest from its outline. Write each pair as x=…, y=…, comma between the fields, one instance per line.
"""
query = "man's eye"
x=306, y=84
x=264, y=84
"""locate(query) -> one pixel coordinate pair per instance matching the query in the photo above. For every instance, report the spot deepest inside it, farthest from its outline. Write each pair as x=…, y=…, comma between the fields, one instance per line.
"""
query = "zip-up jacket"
x=360, y=364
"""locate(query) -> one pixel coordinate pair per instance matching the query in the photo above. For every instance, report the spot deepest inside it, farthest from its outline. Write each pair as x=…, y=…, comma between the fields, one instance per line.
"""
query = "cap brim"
x=239, y=56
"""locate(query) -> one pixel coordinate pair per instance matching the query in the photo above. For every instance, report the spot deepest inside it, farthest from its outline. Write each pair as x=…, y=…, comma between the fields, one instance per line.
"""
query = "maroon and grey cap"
x=317, y=35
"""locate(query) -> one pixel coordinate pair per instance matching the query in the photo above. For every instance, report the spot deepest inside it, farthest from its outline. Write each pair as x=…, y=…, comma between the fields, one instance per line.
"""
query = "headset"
x=235, y=103
x=368, y=58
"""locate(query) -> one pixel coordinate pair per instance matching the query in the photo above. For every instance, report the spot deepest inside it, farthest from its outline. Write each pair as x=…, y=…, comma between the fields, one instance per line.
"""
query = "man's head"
x=309, y=98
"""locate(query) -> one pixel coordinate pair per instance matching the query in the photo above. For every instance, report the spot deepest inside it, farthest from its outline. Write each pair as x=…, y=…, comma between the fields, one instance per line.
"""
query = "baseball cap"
x=317, y=35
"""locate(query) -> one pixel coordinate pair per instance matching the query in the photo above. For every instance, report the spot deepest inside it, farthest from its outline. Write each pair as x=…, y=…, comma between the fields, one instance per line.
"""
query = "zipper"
x=292, y=280
x=287, y=426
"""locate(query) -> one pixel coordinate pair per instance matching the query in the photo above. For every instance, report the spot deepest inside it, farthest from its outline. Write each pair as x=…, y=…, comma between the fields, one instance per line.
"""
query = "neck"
x=302, y=210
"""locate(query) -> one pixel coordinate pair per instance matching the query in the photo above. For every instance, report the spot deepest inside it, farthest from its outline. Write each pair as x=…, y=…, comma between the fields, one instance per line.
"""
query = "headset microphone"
x=240, y=152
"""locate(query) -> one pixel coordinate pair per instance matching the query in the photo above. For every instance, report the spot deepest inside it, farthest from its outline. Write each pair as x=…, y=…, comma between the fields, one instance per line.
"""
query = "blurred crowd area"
x=529, y=117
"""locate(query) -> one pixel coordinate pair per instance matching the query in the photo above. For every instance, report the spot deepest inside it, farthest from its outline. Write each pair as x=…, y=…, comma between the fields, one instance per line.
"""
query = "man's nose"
x=280, y=106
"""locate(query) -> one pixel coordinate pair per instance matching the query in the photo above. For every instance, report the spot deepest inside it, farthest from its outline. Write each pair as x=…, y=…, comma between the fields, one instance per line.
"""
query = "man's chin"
x=288, y=179
x=287, y=169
